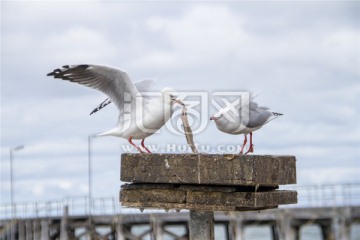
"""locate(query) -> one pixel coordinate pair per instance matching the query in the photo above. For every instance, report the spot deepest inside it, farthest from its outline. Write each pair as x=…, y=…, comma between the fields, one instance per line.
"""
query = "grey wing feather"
x=264, y=108
x=141, y=86
x=114, y=82
x=253, y=106
x=257, y=116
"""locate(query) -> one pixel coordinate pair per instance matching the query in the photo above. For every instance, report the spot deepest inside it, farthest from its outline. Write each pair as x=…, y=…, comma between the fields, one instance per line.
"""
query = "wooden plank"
x=153, y=195
x=213, y=169
x=241, y=199
x=180, y=198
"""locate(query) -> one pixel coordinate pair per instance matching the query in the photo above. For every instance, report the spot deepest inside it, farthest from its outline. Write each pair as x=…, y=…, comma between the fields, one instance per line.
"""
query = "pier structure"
x=236, y=196
x=335, y=223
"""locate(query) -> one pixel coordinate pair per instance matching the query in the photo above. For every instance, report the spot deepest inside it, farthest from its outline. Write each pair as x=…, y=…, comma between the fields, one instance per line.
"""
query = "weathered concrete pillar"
x=91, y=231
x=44, y=230
x=343, y=223
x=237, y=226
x=119, y=228
x=29, y=230
x=286, y=230
x=21, y=230
x=201, y=225
x=8, y=234
x=13, y=226
x=36, y=229
x=64, y=224
x=156, y=226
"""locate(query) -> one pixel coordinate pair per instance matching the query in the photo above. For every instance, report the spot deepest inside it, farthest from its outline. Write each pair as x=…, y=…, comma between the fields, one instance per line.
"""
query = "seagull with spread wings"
x=140, y=116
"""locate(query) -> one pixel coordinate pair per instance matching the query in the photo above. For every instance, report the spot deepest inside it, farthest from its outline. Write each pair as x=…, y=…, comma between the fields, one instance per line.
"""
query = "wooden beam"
x=168, y=196
x=209, y=169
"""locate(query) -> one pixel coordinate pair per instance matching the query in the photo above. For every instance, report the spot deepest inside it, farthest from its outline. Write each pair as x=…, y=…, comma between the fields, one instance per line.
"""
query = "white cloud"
x=79, y=45
x=279, y=57
x=343, y=50
x=65, y=185
x=38, y=190
x=210, y=30
x=203, y=34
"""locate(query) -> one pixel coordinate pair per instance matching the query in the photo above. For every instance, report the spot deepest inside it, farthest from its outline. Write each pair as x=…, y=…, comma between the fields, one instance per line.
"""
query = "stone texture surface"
x=177, y=197
x=209, y=169
x=206, y=182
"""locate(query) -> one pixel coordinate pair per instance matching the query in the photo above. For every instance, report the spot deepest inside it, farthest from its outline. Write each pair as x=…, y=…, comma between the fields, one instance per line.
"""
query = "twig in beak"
x=186, y=125
x=178, y=101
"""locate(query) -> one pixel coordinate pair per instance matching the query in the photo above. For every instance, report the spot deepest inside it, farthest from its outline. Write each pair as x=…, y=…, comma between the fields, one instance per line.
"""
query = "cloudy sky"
x=301, y=58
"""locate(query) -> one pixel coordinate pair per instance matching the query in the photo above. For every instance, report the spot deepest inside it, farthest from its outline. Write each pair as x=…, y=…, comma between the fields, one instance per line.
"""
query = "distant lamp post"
x=12, y=150
x=90, y=137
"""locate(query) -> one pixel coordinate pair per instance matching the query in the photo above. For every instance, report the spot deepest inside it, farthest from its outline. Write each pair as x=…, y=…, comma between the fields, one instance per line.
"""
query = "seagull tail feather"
x=111, y=132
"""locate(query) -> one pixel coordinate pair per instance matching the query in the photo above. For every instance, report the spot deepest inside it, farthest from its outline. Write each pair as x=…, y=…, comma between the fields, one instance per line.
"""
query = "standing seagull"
x=244, y=120
x=140, y=116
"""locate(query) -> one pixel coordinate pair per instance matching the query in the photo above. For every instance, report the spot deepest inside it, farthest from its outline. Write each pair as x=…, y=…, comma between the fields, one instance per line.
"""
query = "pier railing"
x=329, y=195
x=77, y=206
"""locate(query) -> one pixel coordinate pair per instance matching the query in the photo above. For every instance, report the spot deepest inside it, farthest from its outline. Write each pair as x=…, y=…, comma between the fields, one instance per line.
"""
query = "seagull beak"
x=213, y=118
x=178, y=101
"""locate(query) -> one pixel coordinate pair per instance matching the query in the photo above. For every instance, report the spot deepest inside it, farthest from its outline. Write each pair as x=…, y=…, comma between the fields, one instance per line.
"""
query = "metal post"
x=201, y=225
x=13, y=214
x=11, y=184
x=12, y=150
x=89, y=172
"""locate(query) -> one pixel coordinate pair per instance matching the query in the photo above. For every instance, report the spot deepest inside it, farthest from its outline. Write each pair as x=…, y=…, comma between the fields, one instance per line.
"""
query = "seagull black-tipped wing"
x=101, y=106
x=141, y=86
x=114, y=82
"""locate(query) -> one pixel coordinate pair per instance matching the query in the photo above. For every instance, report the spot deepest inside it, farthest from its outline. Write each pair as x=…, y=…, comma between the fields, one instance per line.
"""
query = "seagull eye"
x=220, y=115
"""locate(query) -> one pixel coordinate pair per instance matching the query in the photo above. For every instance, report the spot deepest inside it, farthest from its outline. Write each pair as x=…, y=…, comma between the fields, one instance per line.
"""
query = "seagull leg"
x=139, y=149
x=251, y=149
x=142, y=144
x=242, y=148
